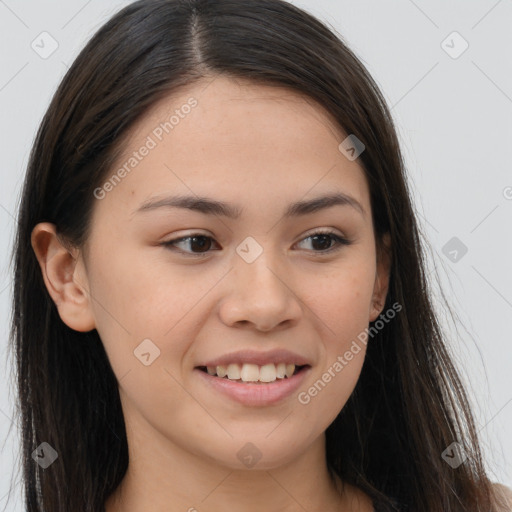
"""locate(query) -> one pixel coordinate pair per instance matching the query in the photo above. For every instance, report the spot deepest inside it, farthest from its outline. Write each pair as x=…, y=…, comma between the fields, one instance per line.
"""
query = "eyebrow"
x=210, y=206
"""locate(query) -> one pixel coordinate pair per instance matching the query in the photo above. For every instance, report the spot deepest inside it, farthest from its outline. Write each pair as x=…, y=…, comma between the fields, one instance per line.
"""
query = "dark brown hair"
x=409, y=404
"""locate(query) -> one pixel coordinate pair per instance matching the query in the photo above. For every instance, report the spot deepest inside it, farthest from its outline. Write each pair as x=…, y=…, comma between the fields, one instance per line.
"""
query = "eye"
x=197, y=240
x=321, y=239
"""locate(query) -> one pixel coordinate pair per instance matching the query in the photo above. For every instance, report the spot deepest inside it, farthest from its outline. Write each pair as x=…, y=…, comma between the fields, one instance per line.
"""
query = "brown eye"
x=199, y=244
x=322, y=240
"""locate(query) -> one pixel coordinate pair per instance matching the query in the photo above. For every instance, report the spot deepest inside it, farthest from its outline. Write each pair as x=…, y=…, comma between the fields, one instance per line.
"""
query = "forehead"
x=241, y=141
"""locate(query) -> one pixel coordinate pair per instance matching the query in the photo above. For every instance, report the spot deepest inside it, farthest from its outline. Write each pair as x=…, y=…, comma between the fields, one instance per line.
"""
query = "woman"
x=220, y=292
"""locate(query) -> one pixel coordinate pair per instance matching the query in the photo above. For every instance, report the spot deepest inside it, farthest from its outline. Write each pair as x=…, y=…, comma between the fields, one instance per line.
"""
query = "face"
x=251, y=284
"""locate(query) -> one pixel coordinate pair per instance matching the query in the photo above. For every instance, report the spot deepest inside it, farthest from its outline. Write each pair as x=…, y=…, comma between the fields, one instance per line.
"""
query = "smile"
x=248, y=372
x=254, y=392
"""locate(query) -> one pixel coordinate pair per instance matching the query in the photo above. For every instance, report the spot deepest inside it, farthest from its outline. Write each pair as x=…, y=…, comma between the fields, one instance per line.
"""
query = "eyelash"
x=170, y=244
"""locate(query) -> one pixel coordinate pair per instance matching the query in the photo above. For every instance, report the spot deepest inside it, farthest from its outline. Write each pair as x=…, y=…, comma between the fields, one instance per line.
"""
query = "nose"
x=260, y=294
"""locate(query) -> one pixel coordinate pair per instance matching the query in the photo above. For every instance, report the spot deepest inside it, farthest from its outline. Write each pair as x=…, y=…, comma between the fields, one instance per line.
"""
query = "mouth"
x=253, y=385
x=254, y=374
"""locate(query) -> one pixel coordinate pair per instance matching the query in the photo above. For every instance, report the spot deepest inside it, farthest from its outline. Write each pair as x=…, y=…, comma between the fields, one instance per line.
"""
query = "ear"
x=380, y=289
x=64, y=277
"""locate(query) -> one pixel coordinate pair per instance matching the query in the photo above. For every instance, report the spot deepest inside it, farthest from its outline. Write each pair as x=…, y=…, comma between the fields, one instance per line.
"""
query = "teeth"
x=268, y=373
x=252, y=372
x=221, y=371
x=233, y=372
x=290, y=368
x=280, y=370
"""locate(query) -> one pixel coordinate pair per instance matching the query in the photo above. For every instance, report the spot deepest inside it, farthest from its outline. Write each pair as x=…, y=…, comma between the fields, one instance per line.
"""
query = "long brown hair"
x=409, y=404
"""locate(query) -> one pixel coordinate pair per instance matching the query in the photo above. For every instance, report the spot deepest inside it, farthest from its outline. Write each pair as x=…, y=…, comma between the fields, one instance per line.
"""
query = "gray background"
x=454, y=117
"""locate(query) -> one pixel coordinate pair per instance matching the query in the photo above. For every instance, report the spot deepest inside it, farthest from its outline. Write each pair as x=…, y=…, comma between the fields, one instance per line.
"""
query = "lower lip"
x=256, y=394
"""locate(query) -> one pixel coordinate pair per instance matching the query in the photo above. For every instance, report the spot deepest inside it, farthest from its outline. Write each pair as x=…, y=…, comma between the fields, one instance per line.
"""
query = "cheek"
x=136, y=300
x=341, y=303
x=326, y=395
x=342, y=299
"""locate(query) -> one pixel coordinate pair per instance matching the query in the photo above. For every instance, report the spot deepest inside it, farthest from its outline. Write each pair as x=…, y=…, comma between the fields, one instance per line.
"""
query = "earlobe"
x=382, y=275
x=65, y=283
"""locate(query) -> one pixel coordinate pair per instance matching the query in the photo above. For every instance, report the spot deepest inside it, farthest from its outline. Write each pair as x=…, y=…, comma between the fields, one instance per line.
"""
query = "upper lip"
x=258, y=357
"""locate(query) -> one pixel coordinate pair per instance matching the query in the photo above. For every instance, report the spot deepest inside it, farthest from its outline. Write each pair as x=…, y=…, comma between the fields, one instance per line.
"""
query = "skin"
x=259, y=148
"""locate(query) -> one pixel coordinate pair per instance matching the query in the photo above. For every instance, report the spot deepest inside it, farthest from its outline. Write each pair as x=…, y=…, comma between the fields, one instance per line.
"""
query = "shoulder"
x=504, y=495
